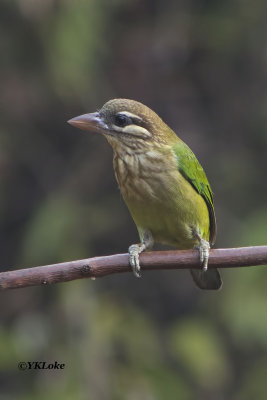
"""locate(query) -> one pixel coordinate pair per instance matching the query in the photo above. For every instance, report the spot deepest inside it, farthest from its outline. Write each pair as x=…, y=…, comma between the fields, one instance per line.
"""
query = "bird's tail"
x=207, y=280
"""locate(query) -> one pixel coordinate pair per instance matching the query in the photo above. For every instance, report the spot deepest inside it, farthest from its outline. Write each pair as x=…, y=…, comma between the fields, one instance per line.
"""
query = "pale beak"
x=89, y=122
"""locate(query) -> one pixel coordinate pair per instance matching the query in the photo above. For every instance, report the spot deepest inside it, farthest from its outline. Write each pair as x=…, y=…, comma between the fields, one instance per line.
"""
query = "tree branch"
x=101, y=266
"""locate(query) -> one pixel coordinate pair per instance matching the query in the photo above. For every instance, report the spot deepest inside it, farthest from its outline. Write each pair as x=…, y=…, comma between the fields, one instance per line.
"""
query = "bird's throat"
x=141, y=172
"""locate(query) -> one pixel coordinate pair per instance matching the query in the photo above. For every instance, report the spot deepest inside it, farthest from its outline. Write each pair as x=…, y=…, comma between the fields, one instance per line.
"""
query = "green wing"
x=193, y=172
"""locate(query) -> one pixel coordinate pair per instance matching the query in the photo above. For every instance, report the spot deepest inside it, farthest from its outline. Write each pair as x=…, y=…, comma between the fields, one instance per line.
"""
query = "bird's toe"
x=134, y=251
x=204, y=251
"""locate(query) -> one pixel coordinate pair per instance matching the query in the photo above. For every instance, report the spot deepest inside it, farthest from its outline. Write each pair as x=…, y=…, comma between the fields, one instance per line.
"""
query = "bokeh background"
x=202, y=66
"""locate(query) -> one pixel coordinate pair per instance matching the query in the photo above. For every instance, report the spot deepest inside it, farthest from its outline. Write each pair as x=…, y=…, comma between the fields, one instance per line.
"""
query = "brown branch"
x=102, y=266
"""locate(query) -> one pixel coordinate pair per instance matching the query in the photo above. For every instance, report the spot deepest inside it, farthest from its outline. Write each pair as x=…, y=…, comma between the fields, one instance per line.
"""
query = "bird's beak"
x=89, y=122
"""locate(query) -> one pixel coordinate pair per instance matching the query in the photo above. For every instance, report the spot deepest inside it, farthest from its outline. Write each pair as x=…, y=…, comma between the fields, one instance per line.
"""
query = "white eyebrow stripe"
x=130, y=115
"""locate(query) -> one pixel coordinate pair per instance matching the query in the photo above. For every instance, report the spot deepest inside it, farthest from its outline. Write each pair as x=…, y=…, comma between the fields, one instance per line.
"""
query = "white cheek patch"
x=134, y=130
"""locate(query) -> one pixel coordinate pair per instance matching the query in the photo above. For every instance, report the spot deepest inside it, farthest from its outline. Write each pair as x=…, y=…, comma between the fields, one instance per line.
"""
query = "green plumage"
x=192, y=171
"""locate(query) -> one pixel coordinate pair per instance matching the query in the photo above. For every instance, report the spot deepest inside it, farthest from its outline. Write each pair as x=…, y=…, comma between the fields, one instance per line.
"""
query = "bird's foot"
x=204, y=251
x=134, y=251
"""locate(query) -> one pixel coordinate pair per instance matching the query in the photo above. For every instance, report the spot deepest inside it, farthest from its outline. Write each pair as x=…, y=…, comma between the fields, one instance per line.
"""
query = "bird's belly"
x=171, y=211
x=166, y=226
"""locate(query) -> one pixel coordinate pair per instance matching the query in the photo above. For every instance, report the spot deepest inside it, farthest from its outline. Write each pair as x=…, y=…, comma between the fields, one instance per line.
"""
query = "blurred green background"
x=202, y=66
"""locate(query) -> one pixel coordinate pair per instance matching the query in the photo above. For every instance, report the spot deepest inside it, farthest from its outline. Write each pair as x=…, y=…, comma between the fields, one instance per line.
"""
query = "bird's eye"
x=122, y=120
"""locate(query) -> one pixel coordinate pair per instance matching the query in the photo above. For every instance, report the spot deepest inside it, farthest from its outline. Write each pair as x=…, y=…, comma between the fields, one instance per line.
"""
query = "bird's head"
x=126, y=123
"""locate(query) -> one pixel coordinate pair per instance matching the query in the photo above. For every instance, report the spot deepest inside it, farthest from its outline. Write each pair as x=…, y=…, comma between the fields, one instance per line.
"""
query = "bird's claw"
x=134, y=251
x=204, y=251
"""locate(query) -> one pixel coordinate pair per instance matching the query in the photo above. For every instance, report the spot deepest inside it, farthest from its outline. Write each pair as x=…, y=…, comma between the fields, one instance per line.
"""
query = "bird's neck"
x=135, y=168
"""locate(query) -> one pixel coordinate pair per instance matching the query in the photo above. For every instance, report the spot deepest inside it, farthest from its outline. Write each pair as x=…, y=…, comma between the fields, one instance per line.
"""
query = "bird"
x=161, y=181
